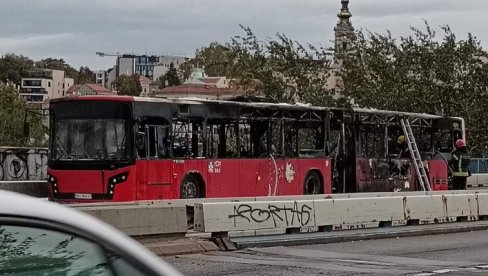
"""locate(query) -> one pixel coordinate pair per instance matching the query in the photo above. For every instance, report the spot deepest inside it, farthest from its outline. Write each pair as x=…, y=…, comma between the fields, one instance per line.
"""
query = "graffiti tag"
x=287, y=215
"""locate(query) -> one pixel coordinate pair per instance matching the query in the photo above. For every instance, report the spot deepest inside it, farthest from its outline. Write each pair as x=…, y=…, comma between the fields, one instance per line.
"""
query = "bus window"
x=443, y=141
x=291, y=138
x=154, y=139
x=311, y=139
x=276, y=138
x=372, y=141
x=394, y=132
x=187, y=138
x=245, y=139
x=259, y=138
x=222, y=139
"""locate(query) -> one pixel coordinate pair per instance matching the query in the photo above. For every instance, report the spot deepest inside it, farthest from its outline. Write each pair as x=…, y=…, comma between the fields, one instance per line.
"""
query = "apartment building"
x=149, y=66
x=101, y=77
x=39, y=85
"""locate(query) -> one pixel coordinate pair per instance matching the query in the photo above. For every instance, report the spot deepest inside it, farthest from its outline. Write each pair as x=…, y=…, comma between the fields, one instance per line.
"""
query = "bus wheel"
x=190, y=187
x=313, y=184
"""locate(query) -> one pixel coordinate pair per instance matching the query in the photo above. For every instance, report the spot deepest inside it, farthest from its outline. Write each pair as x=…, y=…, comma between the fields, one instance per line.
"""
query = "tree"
x=20, y=124
x=85, y=75
x=421, y=73
x=58, y=64
x=283, y=69
x=128, y=85
x=279, y=68
x=215, y=58
x=172, y=76
x=13, y=67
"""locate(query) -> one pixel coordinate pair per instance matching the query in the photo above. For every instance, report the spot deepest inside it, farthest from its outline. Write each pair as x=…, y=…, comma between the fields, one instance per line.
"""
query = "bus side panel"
x=253, y=175
x=438, y=175
x=181, y=168
x=325, y=168
x=384, y=175
x=282, y=176
x=223, y=179
x=154, y=179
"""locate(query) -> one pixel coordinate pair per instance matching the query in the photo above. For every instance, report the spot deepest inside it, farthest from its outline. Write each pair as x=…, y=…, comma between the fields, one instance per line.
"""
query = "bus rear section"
x=383, y=161
x=91, y=150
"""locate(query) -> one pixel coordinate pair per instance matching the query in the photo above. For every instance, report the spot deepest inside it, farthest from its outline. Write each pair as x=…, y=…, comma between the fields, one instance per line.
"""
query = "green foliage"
x=282, y=68
x=215, y=58
x=172, y=76
x=421, y=73
x=85, y=75
x=128, y=85
x=21, y=125
x=13, y=67
x=57, y=64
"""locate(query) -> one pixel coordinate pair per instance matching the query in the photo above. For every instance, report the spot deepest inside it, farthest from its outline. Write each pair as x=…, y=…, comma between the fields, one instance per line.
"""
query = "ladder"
x=415, y=155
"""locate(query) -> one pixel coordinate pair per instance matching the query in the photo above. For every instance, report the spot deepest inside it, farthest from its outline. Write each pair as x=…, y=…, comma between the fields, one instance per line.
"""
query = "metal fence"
x=479, y=165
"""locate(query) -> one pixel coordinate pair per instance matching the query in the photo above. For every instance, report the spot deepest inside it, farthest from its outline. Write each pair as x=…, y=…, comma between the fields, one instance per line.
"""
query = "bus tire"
x=190, y=187
x=313, y=184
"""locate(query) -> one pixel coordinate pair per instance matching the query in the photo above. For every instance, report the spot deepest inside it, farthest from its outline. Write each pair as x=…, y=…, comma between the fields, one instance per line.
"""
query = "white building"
x=111, y=77
x=101, y=77
x=125, y=65
x=40, y=85
x=165, y=63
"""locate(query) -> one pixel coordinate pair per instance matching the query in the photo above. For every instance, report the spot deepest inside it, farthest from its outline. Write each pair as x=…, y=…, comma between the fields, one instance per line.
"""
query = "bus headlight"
x=116, y=179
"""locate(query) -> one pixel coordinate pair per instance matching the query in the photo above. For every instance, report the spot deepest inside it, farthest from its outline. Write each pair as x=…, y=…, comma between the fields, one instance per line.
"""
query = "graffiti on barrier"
x=18, y=164
x=274, y=213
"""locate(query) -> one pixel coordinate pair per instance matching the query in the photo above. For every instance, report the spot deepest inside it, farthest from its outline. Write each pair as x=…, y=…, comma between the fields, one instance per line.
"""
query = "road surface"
x=450, y=254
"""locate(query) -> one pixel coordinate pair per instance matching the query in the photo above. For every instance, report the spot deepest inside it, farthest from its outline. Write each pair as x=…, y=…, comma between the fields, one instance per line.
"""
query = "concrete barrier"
x=341, y=213
x=267, y=215
x=142, y=220
x=478, y=180
x=35, y=188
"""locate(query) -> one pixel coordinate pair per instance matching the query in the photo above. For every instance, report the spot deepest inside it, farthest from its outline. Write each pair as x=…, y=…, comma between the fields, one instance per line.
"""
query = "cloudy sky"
x=74, y=30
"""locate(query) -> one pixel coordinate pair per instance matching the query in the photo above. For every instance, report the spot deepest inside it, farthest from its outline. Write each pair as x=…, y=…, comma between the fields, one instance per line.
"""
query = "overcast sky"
x=75, y=29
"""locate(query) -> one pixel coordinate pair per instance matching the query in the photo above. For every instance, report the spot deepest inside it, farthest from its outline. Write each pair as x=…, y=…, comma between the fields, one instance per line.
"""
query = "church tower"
x=344, y=31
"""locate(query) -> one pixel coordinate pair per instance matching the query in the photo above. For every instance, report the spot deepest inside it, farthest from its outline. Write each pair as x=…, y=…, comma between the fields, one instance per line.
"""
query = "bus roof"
x=297, y=106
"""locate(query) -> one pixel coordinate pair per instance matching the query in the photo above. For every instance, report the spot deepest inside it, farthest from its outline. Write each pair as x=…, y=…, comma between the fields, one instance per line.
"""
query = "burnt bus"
x=123, y=148
x=369, y=158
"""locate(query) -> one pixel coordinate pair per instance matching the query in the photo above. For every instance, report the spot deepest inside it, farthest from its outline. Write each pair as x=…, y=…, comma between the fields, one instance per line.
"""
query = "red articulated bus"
x=122, y=148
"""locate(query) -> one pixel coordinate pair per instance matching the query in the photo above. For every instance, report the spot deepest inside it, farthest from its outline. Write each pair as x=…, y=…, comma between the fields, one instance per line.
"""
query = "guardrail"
x=341, y=213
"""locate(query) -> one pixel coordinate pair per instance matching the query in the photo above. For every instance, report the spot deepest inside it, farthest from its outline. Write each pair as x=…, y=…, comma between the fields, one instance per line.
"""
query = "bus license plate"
x=83, y=196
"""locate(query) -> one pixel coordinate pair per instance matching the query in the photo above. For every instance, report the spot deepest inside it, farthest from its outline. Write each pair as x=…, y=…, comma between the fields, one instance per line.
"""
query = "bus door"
x=154, y=166
x=372, y=163
x=223, y=163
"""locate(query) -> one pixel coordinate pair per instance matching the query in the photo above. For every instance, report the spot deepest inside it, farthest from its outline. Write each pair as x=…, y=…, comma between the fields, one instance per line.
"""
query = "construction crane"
x=101, y=54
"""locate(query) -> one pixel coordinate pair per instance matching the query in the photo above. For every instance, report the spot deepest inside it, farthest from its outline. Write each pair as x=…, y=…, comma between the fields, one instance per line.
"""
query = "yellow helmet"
x=401, y=139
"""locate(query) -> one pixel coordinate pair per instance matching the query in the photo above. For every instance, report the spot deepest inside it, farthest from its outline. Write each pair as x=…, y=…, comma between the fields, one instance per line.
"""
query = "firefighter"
x=402, y=147
x=459, y=164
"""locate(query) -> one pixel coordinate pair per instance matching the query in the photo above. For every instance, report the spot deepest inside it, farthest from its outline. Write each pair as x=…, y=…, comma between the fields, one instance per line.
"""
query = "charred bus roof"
x=244, y=102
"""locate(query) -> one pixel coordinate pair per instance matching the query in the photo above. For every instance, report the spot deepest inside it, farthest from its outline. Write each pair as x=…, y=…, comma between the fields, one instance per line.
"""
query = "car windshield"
x=92, y=133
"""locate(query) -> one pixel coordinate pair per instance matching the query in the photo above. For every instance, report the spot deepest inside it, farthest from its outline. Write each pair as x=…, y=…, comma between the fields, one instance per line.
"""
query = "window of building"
x=48, y=84
x=32, y=83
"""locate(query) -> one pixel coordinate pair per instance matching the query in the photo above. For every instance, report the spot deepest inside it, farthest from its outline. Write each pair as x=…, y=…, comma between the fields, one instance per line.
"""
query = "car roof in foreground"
x=18, y=205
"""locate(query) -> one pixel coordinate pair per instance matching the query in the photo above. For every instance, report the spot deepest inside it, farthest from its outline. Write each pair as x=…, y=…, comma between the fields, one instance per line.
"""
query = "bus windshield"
x=98, y=131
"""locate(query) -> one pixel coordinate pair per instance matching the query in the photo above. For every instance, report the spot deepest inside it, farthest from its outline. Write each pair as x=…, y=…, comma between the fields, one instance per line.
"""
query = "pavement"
x=177, y=245
x=194, y=242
